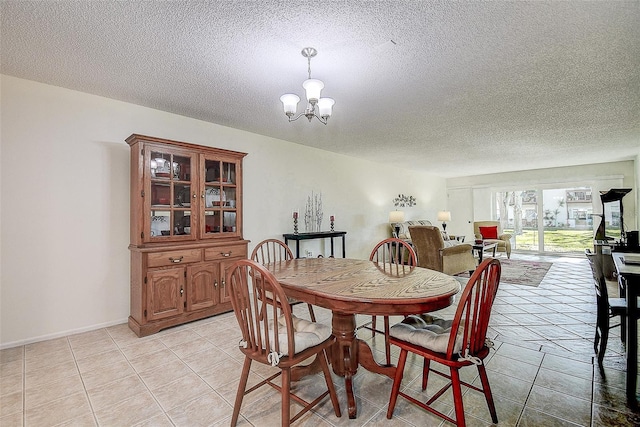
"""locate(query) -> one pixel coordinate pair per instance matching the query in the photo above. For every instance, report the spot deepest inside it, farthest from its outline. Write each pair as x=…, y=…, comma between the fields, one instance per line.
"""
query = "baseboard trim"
x=61, y=334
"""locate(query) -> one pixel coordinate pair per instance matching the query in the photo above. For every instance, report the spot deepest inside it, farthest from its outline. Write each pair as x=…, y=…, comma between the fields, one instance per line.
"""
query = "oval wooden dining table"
x=350, y=286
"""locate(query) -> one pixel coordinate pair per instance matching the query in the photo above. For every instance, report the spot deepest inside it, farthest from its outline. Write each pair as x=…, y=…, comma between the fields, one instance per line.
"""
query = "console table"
x=315, y=235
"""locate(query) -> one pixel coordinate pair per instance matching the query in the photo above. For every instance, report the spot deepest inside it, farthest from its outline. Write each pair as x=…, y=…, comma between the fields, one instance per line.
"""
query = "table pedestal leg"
x=348, y=352
x=344, y=355
x=368, y=362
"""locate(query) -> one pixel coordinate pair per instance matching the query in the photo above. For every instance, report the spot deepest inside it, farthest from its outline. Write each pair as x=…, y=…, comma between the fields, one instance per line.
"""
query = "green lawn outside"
x=560, y=240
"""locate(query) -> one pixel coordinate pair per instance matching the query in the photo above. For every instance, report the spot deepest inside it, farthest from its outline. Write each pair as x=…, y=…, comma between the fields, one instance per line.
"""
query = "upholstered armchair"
x=493, y=235
x=450, y=258
x=403, y=228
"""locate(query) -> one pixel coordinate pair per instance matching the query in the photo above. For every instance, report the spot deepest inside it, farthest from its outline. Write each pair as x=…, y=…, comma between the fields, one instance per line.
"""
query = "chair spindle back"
x=270, y=251
x=595, y=262
x=260, y=319
x=471, y=320
x=394, y=255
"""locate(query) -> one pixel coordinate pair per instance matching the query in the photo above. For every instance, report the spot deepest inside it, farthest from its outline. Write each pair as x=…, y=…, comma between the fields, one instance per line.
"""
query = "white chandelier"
x=312, y=88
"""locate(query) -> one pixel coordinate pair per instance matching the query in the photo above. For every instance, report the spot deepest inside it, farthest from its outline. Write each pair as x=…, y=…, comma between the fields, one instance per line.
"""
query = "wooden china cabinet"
x=186, y=228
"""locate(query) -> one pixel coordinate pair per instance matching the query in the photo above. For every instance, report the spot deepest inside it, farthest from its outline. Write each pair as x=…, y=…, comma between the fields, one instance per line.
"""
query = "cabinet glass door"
x=171, y=194
x=219, y=193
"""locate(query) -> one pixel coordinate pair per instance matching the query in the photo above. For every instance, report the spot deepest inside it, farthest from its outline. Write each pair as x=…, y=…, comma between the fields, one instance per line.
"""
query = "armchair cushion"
x=459, y=248
x=489, y=232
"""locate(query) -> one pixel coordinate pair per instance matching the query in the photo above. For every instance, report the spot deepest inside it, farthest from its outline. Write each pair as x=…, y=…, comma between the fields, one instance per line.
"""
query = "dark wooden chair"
x=273, y=336
x=396, y=257
x=273, y=250
x=454, y=343
x=607, y=308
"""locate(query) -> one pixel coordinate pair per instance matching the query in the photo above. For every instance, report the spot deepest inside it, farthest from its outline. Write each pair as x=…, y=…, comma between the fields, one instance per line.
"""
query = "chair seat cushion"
x=618, y=303
x=305, y=334
x=427, y=331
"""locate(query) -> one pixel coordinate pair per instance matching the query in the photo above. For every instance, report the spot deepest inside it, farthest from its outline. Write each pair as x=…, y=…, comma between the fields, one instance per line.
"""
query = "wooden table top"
x=362, y=287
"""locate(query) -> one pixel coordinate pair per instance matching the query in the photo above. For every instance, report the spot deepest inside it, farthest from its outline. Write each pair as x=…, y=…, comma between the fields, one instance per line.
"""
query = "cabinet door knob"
x=176, y=260
x=181, y=291
x=215, y=283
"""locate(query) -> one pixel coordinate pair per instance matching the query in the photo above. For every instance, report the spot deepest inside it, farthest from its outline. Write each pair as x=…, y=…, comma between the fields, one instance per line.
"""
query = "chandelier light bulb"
x=313, y=87
x=325, y=105
x=290, y=103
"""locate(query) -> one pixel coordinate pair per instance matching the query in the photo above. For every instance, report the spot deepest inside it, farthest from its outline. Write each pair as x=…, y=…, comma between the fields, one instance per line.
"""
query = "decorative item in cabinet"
x=186, y=228
x=213, y=197
x=229, y=197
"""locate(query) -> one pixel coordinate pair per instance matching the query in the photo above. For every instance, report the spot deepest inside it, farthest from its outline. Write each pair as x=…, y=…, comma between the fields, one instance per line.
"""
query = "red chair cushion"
x=489, y=232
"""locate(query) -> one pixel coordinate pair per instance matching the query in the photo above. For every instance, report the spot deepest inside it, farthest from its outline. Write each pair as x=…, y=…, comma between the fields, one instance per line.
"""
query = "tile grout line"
x=84, y=386
x=146, y=386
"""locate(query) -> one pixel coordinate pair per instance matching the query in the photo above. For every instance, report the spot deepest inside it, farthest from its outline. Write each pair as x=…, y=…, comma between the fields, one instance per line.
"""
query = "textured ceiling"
x=452, y=88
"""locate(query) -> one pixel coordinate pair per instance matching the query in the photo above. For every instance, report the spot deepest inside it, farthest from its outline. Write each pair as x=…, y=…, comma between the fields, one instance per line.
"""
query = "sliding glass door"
x=547, y=220
x=517, y=212
x=568, y=222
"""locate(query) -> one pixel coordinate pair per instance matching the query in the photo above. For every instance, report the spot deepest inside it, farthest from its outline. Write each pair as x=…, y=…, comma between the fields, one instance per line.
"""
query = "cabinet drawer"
x=225, y=252
x=160, y=259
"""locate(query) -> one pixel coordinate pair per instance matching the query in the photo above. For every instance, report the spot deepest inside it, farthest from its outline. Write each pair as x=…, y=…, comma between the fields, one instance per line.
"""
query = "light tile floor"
x=541, y=373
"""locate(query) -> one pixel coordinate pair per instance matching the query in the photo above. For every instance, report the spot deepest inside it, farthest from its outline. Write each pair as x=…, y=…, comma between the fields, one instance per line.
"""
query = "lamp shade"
x=313, y=87
x=290, y=103
x=396, y=216
x=325, y=105
x=444, y=216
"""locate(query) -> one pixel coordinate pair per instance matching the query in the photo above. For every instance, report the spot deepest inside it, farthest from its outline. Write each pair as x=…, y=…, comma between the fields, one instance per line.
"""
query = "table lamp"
x=444, y=216
x=395, y=218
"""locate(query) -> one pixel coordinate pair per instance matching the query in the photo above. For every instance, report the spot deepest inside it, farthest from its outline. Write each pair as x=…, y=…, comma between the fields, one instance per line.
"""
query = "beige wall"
x=64, y=263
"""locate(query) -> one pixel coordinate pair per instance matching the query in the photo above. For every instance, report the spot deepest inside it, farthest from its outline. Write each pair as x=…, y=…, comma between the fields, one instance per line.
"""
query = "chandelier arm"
x=295, y=118
x=324, y=122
